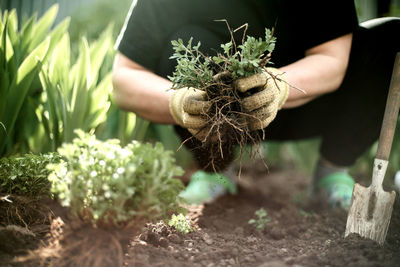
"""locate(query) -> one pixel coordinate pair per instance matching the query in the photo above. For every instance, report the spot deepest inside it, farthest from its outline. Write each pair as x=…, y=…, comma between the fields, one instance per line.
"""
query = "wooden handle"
x=391, y=113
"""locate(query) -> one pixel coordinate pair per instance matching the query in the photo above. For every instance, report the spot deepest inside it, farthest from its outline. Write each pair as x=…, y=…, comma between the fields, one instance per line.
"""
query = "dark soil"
x=298, y=234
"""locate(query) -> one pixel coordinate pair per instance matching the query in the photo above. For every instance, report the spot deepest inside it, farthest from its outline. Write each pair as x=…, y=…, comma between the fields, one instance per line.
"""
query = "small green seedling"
x=181, y=223
x=261, y=221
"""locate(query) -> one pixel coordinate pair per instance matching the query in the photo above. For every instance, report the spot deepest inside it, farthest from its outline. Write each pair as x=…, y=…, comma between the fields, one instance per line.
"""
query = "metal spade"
x=371, y=208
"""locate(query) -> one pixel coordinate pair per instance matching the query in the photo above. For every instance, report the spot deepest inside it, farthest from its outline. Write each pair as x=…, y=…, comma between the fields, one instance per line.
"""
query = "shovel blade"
x=370, y=212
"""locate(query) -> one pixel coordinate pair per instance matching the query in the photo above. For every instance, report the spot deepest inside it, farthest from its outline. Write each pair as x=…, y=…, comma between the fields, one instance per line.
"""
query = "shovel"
x=371, y=208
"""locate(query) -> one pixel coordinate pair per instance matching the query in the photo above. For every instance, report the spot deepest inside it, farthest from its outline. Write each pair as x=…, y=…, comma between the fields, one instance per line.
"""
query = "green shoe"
x=204, y=187
x=338, y=189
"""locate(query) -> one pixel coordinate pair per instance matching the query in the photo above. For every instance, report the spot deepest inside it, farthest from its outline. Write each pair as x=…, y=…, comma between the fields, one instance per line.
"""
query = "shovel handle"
x=391, y=113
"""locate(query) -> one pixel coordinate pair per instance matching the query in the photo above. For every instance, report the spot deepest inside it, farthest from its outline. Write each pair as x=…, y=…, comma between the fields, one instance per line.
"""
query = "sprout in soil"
x=181, y=223
x=261, y=220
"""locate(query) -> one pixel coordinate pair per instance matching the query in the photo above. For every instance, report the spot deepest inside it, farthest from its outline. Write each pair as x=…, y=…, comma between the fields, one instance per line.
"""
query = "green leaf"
x=12, y=25
x=57, y=34
x=80, y=89
x=98, y=51
x=97, y=110
x=43, y=25
x=3, y=127
x=20, y=86
x=26, y=36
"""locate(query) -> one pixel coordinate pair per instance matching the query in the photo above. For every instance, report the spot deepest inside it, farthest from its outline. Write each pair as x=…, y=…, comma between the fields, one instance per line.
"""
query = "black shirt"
x=298, y=25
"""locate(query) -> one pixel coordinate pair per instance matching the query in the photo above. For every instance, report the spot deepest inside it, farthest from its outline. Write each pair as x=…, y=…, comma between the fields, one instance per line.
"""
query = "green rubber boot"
x=338, y=188
x=204, y=187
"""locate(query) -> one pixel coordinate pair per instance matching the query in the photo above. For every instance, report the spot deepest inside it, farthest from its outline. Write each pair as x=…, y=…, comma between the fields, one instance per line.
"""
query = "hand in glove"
x=262, y=106
x=189, y=107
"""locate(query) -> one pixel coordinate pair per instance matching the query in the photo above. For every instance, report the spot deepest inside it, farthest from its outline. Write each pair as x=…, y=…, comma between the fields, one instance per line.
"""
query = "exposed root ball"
x=22, y=211
x=78, y=244
x=226, y=125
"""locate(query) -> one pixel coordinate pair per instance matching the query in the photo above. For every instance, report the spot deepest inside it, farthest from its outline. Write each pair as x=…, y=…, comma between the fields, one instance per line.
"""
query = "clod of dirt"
x=15, y=238
x=207, y=239
x=174, y=238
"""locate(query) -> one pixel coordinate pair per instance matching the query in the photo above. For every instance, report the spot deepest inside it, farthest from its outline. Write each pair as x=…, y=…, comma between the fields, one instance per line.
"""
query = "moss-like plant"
x=26, y=175
x=107, y=184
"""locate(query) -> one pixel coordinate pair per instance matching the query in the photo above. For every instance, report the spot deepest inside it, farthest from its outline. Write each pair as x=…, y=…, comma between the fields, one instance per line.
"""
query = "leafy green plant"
x=181, y=223
x=26, y=175
x=21, y=51
x=261, y=220
x=226, y=120
x=75, y=96
x=107, y=184
x=194, y=69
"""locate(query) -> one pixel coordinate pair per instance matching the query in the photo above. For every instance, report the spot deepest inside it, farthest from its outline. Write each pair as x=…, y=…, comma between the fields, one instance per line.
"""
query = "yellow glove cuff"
x=281, y=84
x=176, y=105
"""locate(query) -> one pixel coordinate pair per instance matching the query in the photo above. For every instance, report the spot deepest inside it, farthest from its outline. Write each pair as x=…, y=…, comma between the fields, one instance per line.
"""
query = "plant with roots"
x=227, y=123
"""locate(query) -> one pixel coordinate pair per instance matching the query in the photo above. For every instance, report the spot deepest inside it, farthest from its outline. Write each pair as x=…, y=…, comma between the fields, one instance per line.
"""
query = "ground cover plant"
x=24, y=185
x=26, y=175
x=108, y=189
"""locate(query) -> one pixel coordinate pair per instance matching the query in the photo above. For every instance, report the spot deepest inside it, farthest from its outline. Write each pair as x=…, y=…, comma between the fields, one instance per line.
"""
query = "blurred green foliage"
x=26, y=175
x=76, y=96
x=108, y=184
x=93, y=18
x=22, y=50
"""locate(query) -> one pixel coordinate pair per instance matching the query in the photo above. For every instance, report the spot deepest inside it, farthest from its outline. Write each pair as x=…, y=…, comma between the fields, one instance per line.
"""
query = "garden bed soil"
x=298, y=234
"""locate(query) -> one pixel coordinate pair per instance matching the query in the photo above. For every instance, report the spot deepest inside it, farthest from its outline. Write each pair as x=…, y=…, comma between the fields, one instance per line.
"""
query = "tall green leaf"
x=20, y=86
x=77, y=96
x=43, y=25
x=21, y=55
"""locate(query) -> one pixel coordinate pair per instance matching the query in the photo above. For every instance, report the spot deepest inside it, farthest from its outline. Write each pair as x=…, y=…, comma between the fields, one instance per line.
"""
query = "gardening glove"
x=262, y=106
x=189, y=108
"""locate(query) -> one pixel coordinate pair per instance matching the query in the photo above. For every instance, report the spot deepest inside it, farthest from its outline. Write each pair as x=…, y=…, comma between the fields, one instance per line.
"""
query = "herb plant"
x=180, y=223
x=107, y=184
x=261, y=220
x=226, y=121
x=194, y=69
x=26, y=175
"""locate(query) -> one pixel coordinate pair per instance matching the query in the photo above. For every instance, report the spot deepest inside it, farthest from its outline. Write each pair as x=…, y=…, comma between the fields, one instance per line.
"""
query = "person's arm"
x=139, y=90
x=321, y=71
